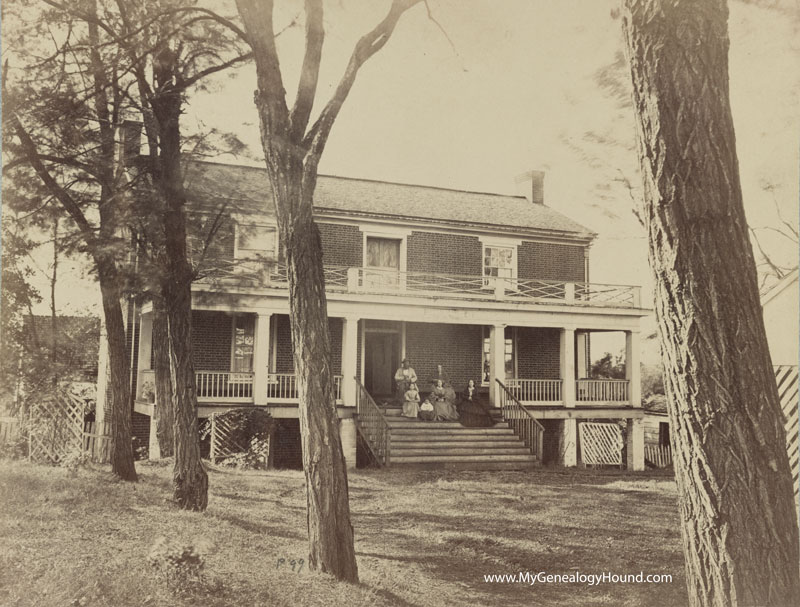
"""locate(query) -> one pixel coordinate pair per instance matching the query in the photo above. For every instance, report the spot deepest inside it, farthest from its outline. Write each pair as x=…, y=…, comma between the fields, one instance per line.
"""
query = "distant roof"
x=657, y=404
x=246, y=190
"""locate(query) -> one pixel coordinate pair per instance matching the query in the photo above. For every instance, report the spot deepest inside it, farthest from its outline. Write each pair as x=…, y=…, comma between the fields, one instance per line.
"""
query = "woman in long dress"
x=411, y=402
x=472, y=410
x=444, y=408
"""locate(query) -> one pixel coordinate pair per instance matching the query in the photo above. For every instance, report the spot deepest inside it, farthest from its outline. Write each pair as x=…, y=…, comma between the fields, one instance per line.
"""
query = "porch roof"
x=246, y=189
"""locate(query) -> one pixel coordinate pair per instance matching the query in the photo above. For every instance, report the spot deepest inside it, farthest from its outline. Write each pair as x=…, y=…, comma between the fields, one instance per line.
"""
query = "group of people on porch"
x=441, y=403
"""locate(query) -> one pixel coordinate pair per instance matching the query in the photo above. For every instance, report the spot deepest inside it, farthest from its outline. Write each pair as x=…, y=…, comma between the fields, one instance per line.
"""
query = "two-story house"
x=494, y=288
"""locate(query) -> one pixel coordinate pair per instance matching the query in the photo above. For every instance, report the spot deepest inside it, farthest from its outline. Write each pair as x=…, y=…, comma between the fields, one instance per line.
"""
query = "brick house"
x=494, y=288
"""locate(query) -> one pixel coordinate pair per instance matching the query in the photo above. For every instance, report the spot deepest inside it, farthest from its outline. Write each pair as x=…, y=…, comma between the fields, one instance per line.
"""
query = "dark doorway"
x=381, y=359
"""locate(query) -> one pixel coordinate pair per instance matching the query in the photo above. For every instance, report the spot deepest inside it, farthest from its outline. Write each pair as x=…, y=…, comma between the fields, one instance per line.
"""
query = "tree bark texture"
x=330, y=533
x=163, y=410
x=190, y=481
x=292, y=154
x=739, y=524
x=118, y=361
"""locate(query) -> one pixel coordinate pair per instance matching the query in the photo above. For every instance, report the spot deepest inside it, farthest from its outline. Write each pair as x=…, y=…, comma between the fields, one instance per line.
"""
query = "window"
x=498, y=262
x=256, y=241
x=243, y=343
x=510, y=363
x=383, y=259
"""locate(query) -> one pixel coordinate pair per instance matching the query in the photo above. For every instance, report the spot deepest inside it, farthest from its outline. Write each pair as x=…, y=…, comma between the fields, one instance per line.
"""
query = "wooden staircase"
x=417, y=443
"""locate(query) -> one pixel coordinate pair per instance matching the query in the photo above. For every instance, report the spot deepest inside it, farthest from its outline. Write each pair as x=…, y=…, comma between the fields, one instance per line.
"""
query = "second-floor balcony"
x=380, y=281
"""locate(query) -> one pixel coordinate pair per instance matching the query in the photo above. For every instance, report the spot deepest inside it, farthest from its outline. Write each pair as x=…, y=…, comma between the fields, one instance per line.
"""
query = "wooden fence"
x=9, y=429
x=786, y=376
x=97, y=442
x=601, y=444
x=658, y=455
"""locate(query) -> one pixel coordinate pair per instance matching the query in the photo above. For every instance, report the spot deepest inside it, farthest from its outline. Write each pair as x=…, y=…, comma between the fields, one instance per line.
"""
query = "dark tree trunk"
x=163, y=409
x=739, y=521
x=118, y=361
x=189, y=476
x=330, y=533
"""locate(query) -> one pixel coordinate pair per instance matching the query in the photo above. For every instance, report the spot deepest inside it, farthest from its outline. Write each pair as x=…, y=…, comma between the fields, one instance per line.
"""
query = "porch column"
x=569, y=431
x=497, y=361
x=568, y=366
x=261, y=358
x=633, y=368
x=347, y=432
x=569, y=443
x=634, y=443
x=349, y=359
x=102, y=376
x=153, y=448
x=145, y=348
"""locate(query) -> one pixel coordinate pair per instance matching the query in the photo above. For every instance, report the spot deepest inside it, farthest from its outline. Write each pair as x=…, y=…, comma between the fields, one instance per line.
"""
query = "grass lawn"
x=422, y=538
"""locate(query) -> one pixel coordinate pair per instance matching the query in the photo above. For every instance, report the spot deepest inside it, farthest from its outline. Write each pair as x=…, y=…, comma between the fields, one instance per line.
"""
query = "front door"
x=381, y=359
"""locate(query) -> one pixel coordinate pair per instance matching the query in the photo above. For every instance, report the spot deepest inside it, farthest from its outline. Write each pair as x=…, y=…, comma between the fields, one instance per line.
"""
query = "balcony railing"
x=602, y=390
x=535, y=390
x=435, y=284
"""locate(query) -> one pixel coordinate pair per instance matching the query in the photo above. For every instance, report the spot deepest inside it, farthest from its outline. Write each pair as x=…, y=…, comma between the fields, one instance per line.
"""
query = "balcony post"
x=633, y=368
x=497, y=361
x=349, y=357
x=352, y=279
x=569, y=292
x=499, y=288
x=145, y=348
x=261, y=358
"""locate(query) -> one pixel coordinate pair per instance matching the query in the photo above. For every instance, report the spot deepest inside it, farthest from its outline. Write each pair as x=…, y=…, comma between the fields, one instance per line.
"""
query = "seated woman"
x=411, y=402
x=444, y=408
x=473, y=412
x=426, y=412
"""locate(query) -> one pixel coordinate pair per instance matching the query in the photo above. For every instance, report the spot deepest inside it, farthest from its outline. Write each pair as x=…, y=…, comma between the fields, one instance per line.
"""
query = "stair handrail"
x=373, y=425
x=522, y=422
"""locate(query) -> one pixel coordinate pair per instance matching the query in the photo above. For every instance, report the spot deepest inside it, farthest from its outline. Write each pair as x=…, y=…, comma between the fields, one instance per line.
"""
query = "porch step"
x=464, y=459
x=429, y=432
x=405, y=423
x=463, y=451
x=405, y=440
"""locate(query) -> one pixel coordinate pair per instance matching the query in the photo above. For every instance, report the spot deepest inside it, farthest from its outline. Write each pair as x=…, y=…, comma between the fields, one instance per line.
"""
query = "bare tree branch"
x=309, y=75
x=366, y=47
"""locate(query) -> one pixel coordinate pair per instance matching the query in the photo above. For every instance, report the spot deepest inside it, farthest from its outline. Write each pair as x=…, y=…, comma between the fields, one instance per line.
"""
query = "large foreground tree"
x=739, y=522
x=292, y=151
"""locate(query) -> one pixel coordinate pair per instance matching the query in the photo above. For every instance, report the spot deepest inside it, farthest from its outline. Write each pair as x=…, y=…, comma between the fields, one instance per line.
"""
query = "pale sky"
x=517, y=91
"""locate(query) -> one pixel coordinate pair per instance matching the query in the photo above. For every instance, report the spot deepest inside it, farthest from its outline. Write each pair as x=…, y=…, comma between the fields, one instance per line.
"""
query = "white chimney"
x=531, y=185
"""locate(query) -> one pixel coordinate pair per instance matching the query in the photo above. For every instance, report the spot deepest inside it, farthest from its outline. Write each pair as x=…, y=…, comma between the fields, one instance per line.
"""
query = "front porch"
x=246, y=359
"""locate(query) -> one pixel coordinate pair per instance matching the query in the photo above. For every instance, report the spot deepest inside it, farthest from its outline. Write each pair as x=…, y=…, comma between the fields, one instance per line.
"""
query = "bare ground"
x=78, y=537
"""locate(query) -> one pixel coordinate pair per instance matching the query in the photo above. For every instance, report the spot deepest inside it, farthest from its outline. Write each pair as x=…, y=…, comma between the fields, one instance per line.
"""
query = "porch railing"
x=602, y=390
x=521, y=421
x=372, y=425
x=535, y=390
x=224, y=386
x=282, y=388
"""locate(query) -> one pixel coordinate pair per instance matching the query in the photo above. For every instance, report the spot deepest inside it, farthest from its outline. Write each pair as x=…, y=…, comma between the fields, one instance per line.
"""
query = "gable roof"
x=245, y=190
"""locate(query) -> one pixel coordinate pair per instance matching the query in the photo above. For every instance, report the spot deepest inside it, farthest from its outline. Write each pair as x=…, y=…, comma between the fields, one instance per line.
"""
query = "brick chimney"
x=531, y=184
